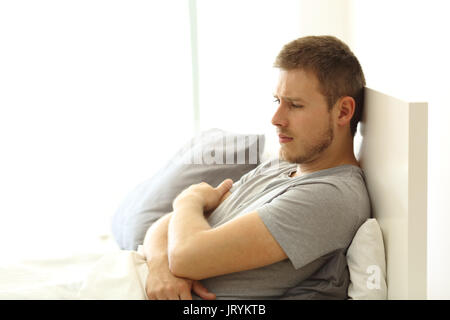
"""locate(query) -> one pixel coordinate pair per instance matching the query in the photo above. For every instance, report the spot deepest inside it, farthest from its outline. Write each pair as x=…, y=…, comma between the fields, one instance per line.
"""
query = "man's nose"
x=279, y=118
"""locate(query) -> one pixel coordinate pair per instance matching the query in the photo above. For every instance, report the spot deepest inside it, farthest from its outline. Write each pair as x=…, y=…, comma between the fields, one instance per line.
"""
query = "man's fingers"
x=202, y=292
x=185, y=295
x=225, y=186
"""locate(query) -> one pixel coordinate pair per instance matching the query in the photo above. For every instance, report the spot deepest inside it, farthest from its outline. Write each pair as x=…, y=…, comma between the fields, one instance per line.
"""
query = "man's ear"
x=345, y=109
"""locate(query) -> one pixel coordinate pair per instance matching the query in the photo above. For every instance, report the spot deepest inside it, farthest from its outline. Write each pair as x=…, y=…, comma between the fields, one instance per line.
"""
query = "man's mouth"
x=284, y=139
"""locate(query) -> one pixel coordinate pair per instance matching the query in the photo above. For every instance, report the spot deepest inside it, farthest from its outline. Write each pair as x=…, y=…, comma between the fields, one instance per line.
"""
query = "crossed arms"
x=182, y=248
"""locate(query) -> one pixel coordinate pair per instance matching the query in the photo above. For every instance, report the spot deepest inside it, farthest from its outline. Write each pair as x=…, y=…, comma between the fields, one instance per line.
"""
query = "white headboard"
x=393, y=155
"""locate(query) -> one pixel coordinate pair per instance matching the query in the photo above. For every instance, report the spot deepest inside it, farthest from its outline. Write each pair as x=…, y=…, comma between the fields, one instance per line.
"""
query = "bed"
x=393, y=154
x=392, y=149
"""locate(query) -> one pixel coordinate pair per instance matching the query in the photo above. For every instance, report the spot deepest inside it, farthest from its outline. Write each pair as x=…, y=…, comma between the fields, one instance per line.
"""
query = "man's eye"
x=296, y=106
x=277, y=100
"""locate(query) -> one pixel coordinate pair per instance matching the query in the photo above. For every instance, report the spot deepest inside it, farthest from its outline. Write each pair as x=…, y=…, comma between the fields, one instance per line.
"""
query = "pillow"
x=212, y=156
x=366, y=263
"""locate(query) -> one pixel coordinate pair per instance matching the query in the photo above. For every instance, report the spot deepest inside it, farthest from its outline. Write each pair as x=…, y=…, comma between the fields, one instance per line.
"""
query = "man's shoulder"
x=340, y=187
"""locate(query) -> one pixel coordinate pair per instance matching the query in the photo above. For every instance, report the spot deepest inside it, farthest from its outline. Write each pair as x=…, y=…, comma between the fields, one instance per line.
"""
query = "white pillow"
x=367, y=263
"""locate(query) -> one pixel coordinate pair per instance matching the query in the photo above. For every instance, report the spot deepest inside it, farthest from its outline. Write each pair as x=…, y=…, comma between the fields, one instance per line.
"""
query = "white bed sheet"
x=101, y=273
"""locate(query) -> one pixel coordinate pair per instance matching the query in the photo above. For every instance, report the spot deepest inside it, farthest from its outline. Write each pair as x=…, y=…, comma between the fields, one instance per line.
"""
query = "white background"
x=94, y=95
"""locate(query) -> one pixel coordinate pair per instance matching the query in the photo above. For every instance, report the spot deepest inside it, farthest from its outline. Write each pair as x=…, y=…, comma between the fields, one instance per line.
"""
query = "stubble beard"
x=311, y=152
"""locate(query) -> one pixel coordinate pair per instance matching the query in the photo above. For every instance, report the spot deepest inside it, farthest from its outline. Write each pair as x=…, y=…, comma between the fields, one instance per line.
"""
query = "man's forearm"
x=155, y=242
x=187, y=220
x=186, y=229
x=161, y=284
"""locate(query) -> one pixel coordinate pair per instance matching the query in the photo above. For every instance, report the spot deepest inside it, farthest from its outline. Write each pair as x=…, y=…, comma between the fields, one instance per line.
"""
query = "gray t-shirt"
x=312, y=216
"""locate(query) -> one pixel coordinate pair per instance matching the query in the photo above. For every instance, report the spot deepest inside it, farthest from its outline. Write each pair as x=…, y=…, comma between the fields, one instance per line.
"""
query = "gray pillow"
x=212, y=156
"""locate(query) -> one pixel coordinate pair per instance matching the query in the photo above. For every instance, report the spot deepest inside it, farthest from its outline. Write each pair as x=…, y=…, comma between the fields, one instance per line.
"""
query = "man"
x=280, y=231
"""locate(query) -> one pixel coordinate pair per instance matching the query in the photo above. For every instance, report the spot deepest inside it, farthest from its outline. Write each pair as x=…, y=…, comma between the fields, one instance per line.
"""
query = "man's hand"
x=163, y=285
x=203, y=194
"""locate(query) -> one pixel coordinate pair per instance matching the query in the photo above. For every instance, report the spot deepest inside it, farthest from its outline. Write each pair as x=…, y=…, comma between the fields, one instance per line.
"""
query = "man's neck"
x=329, y=159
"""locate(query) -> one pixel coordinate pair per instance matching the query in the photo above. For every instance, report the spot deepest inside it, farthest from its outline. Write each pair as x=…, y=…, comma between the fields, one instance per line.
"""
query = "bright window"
x=94, y=95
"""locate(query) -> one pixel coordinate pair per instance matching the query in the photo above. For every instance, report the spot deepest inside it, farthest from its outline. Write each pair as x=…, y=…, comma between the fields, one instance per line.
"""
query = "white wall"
x=238, y=43
x=403, y=48
x=320, y=17
x=93, y=97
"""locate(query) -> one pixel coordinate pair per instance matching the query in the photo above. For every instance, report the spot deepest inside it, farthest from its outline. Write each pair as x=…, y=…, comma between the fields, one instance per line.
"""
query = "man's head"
x=327, y=79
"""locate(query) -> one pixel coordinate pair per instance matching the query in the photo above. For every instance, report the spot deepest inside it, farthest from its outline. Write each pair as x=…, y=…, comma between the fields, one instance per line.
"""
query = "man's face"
x=303, y=121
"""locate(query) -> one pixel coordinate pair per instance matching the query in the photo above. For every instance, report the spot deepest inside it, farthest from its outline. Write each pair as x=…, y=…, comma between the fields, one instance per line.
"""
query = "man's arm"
x=155, y=241
x=161, y=283
x=197, y=251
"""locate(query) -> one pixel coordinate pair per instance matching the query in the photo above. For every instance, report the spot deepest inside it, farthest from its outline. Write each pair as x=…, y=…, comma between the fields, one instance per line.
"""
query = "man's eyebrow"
x=290, y=99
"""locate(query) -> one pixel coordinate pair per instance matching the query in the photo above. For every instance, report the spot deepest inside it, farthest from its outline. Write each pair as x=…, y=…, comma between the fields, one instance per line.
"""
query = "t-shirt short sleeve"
x=309, y=221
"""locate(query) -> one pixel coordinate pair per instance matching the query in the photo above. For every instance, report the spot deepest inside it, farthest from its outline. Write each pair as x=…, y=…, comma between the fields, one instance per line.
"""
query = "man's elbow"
x=182, y=264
